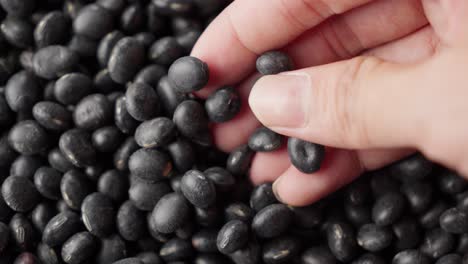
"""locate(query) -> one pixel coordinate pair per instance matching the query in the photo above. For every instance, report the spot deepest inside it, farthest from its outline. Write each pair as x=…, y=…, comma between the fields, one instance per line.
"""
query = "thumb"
x=359, y=103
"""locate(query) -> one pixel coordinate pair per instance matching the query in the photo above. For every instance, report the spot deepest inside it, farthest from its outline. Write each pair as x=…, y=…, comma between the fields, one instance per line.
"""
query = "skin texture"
x=400, y=86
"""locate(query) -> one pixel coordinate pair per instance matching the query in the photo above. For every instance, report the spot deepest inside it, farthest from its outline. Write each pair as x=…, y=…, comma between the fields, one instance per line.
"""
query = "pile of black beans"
x=106, y=156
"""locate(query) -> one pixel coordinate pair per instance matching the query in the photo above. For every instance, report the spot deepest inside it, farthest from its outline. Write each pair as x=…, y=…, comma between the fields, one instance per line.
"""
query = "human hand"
x=406, y=93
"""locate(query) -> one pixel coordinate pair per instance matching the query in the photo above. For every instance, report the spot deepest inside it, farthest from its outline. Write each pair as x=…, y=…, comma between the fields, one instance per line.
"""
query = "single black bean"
x=126, y=59
x=419, y=196
x=19, y=8
x=238, y=211
x=129, y=261
x=188, y=74
x=122, y=118
x=60, y=228
x=22, y=232
x=72, y=87
x=407, y=233
x=155, y=234
x=308, y=216
x=42, y=214
x=151, y=75
x=142, y=102
x=98, y=214
x=182, y=154
x=198, y=189
x=165, y=51
x=281, y=250
x=131, y=222
x=415, y=167
x=187, y=40
x=123, y=153
x=149, y=258
x=54, y=61
x=223, y=179
x=19, y=193
x=150, y=164
x=133, y=18
x=411, y=256
x=115, y=6
x=305, y=156
x=79, y=248
x=374, y=238
x=22, y=91
x=47, y=181
x=191, y=121
x=47, y=255
x=76, y=145
x=26, y=166
x=369, y=258
x=430, y=218
x=18, y=32
x=265, y=140
x=318, y=255
x=204, y=241
x=181, y=24
x=450, y=259
x=452, y=183
x=93, y=112
x=170, y=98
x=171, y=213
x=49, y=91
x=4, y=236
x=52, y=29
x=28, y=137
x=232, y=236
x=239, y=160
x=112, y=248
x=207, y=217
x=145, y=38
x=84, y=46
x=173, y=7
x=146, y=195
x=454, y=221
x=388, y=209
x=93, y=21
x=107, y=139
x=272, y=221
x=176, y=249
x=274, y=62
x=358, y=214
x=250, y=254
x=106, y=45
x=74, y=187
x=262, y=196
x=341, y=241
x=223, y=105
x=155, y=133
x=114, y=184
x=26, y=60
x=437, y=243
x=58, y=161
x=52, y=115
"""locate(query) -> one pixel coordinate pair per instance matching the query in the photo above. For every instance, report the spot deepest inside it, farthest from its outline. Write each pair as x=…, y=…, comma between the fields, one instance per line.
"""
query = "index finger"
x=246, y=28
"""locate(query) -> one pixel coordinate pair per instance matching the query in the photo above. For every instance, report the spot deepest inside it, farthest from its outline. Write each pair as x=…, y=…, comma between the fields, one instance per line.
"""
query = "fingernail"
x=281, y=100
x=275, y=190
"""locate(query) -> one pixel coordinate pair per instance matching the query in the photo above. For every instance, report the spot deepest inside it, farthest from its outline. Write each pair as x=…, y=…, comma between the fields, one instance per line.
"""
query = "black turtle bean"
x=47, y=254
x=122, y=118
x=452, y=183
x=107, y=139
x=74, y=187
x=238, y=162
x=20, y=194
x=58, y=161
x=151, y=75
x=98, y=214
x=262, y=196
x=188, y=74
x=106, y=45
x=265, y=140
x=430, y=218
x=79, y=248
x=123, y=153
x=84, y=46
x=28, y=137
x=411, y=257
x=93, y=21
x=145, y=38
x=133, y=18
x=145, y=195
x=26, y=166
x=281, y=250
x=182, y=154
x=131, y=222
x=318, y=255
x=93, y=112
x=437, y=243
x=114, y=184
x=47, y=181
x=204, y=241
x=176, y=249
x=358, y=214
x=187, y=40
x=272, y=221
x=20, y=8
x=170, y=98
x=223, y=105
x=76, y=145
x=341, y=241
x=72, y=87
x=191, y=121
x=415, y=167
x=170, y=213
x=207, y=217
x=112, y=248
x=274, y=62
x=52, y=116
x=173, y=7
x=305, y=156
x=22, y=232
x=307, y=217
x=222, y=178
x=150, y=164
x=126, y=59
x=407, y=234
x=142, y=102
x=374, y=238
x=115, y=6
x=155, y=133
x=388, y=209
x=22, y=91
x=54, y=61
x=165, y=51
x=198, y=189
x=52, y=29
x=60, y=228
x=250, y=254
x=42, y=214
x=454, y=221
x=419, y=196
x=18, y=32
x=233, y=236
